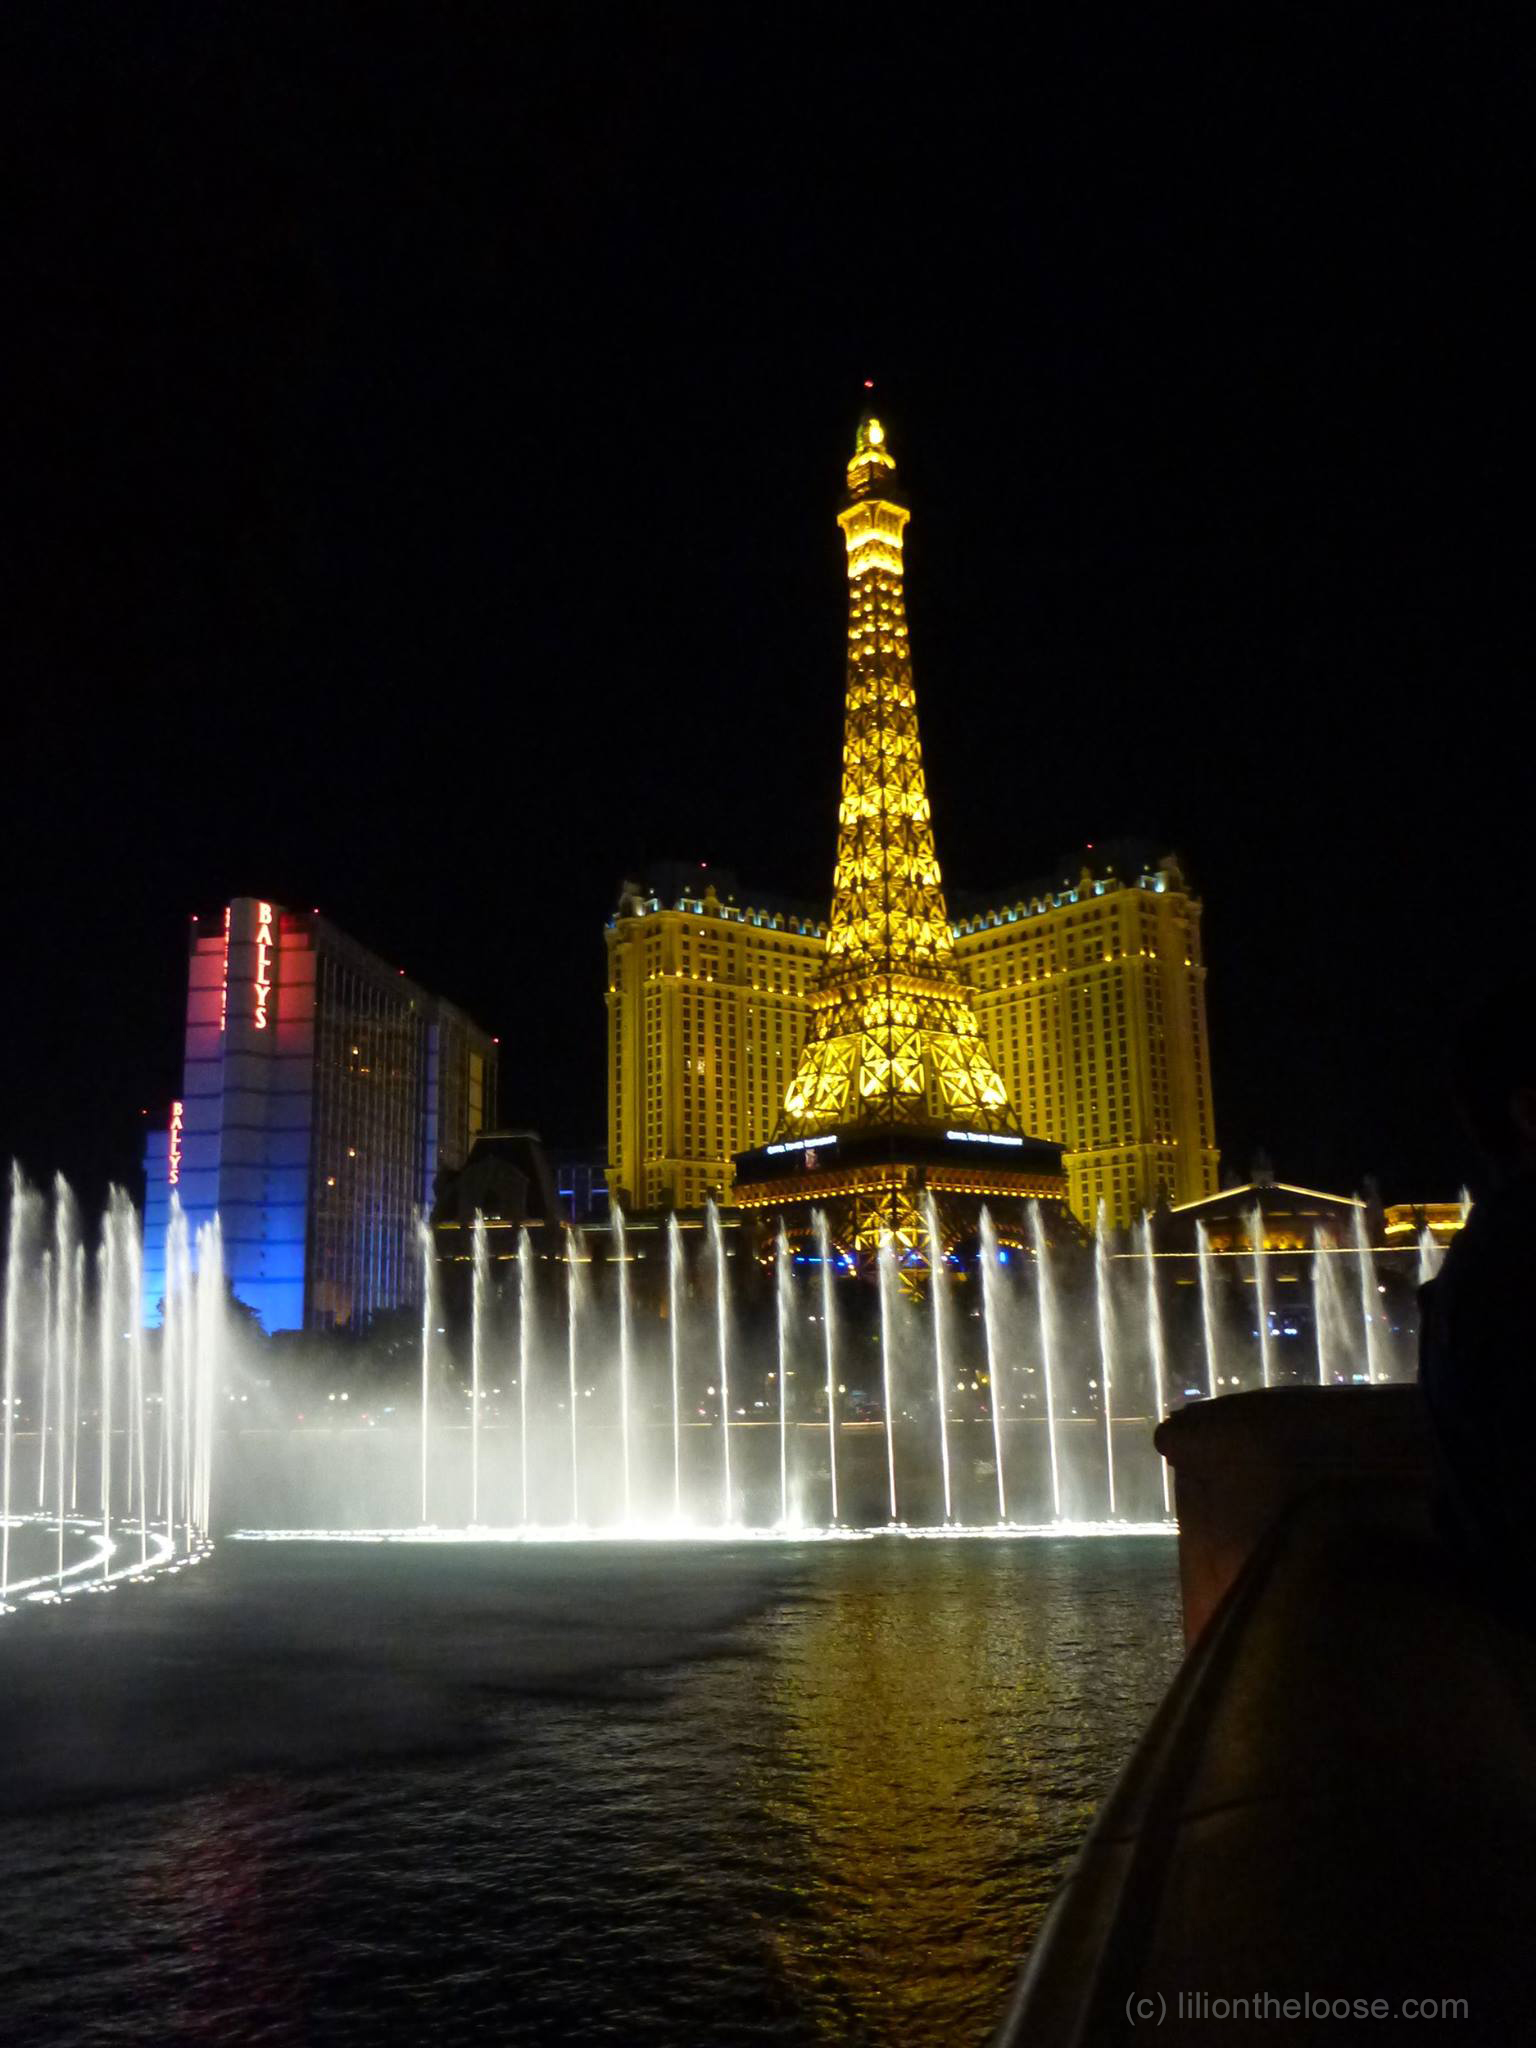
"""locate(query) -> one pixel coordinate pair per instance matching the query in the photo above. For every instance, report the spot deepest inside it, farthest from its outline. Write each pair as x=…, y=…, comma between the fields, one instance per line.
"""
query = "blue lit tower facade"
x=322, y=1095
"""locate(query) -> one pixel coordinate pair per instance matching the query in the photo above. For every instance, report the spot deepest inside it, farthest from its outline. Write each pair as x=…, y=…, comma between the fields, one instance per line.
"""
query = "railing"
x=1337, y=1799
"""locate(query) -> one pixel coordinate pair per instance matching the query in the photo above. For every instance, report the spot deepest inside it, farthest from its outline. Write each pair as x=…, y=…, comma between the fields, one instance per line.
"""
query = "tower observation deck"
x=896, y=1092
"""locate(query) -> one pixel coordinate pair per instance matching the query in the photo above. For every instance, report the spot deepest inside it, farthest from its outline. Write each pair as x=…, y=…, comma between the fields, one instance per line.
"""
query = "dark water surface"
x=363, y=1794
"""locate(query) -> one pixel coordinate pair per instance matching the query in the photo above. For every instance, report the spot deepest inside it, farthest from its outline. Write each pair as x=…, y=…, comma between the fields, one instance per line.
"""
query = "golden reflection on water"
x=941, y=1757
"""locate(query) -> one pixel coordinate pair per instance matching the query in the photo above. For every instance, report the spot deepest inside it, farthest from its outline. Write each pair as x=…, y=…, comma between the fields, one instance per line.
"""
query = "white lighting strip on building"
x=806, y=1144
x=983, y=1138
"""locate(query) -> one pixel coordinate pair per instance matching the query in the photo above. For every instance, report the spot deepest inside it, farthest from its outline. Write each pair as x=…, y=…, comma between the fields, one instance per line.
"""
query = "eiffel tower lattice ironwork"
x=894, y=1040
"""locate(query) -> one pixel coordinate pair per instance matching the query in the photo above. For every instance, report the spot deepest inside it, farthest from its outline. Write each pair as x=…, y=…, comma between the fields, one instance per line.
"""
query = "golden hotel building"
x=1090, y=992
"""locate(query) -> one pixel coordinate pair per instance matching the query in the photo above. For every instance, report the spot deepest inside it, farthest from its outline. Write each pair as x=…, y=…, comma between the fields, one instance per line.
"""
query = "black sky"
x=431, y=425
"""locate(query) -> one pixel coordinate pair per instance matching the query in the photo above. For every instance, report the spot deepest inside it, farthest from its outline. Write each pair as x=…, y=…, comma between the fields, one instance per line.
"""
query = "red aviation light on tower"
x=173, y=1150
x=263, y=982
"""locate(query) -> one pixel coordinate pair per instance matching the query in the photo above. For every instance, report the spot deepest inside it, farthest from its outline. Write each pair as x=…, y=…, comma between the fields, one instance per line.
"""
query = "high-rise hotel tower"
x=323, y=1093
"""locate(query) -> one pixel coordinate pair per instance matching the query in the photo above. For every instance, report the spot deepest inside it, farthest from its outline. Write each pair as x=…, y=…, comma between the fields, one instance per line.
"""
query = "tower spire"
x=894, y=1039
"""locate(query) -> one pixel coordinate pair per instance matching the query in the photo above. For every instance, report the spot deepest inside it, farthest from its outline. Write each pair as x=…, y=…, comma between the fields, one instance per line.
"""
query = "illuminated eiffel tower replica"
x=896, y=1094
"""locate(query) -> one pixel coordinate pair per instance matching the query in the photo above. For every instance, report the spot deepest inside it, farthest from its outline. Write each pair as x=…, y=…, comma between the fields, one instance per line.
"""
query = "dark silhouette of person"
x=1477, y=1342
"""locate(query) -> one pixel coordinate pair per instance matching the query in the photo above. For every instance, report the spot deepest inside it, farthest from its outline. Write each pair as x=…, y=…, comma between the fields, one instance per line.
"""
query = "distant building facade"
x=1090, y=993
x=323, y=1095
x=708, y=1008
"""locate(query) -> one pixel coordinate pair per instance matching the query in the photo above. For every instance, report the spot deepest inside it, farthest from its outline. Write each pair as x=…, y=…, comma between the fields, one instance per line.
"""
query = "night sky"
x=431, y=426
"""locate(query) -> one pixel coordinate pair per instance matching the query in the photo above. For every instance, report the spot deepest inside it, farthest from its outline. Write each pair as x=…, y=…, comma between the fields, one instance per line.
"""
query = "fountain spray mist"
x=785, y=1301
x=1208, y=1310
x=992, y=1334
x=572, y=1352
x=1430, y=1256
x=1325, y=1305
x=1261, y=1293
x=77, y=1368
x=621, y=1255
x=723, y=1351
x=1104, y=1308
x=480, y=1288
x=675, y=1334
x=940, y=1371
x=829, y=1344
x=428, y=1312
x=1157, y=1350
x=106, y=1265
x=885, y=1275
x=1370, y=1301
x=524, y=1356
x=46, y=1360
x=133, y=1260
x=1045, y=1297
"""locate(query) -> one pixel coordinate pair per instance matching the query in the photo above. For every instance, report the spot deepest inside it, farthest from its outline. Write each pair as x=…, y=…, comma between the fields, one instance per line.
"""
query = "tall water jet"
x=886, y=1281
x=524, y=1356
x=65, y=1268
x=940, y=1369
x=63, y=1322
x=991, y=1334
x=1370, y=1300
x=45, y=1375
x=723, y=1352
x=1104, y=1316
x=173, y=1355
x=77, y=1368
x=1045, y=1298
x=784, y=1294
x=572, y=1355
x=479, y=1298
x=1261, y=1294
x=829, y=1346
x=675, y=1278
x=210, y=1338
x=621, y=1256
x=133, y=1261
x=1430, y=1256
x=1157, y=1350
x=1325, y=1307
x=1208, y=1311
x=106, y=1266
x=428, y=1317
x=13, y=1270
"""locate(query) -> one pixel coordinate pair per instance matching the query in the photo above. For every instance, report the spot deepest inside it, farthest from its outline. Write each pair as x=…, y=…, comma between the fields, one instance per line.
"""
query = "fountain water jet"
x=886, y=1282
x=1261, y=1293
x=480, y=1286
x=1105, y=1319
x=1046, y=1303
x=785, y=1302
x=722, y=1352
x=524, y=1357
x=829, y=1341
x=1370, y=1303
x=989, y=1316
x=1326, y=1308
x=428, y=1309
x=936, y=1311
x=1430, y=1256
x=675, y=1334
x=47, y=1321
x=573, y=1278
x=1208, y=1311
x=77, y=1370
x=622, y=1257
x=1156, y=1344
